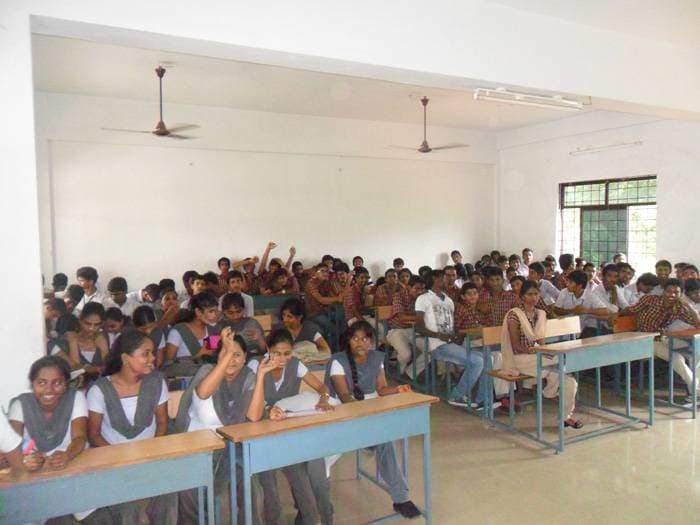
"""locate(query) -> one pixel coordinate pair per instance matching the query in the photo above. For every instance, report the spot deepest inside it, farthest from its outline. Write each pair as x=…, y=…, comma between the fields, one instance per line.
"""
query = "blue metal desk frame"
x=692, y=354
x=57, y=496
x=289, y=448
x=587, y=358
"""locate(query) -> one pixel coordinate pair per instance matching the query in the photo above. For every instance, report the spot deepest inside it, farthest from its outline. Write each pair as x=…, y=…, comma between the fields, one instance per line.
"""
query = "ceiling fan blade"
x=450, y=146
x=180, y=137
x=182, y=127
x=126, y=130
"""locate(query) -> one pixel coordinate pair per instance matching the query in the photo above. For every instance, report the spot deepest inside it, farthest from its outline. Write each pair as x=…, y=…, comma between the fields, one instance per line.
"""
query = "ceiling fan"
x=161, y=130
x=425, y=147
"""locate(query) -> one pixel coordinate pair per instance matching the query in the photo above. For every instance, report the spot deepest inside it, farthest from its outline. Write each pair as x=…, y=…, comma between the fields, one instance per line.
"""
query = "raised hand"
x=292, y=251
x=271, y=245
x=267, y=365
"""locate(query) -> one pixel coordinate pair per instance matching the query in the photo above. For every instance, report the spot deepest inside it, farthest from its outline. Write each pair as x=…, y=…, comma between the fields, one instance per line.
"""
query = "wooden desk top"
x=690, y=332
x=125, y=454
x=582, y=344
x=249, y=431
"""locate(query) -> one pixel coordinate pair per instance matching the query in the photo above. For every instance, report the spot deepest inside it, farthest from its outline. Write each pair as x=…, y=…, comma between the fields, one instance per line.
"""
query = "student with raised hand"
x=663, y=273
x=227, y=393
x=401, y=319
x=280, y=283
x=356, y=374
x=188, y=339
x=145, y=321
x=305, y=333
x=522, y=330
x=635, y=291
x=130, y=403
x=233, y=309
x=668, y=312
x=114, y=324
x=118, y=297
x=87, y=279
x=52, y=419
x=574, y=300
x=88, y=348
x=308, y=480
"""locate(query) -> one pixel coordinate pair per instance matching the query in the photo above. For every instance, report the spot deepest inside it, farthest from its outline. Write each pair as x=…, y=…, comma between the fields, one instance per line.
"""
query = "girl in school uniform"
x=357, y=374
x=130, y=403
x=114, y=324
x=308, y=341
x=170, y=311
x=524, y=328
x=52, y=419
x=225, y=394
x=187, y=340
x=144, y=319
x=88, y=348
x=308, y=481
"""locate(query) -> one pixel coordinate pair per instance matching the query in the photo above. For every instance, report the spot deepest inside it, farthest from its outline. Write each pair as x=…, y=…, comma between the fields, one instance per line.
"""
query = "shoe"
x=494, y=406
x=573, y=423
x=505, y=404
x=461, y=402
x=407, y=509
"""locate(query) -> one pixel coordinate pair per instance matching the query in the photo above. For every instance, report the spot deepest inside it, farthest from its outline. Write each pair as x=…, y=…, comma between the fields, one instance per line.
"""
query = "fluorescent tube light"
x=596, y=149
x=527, y=99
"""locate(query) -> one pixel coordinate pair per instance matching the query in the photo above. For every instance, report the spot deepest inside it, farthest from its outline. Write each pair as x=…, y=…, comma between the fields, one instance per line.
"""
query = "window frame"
x=606, y=204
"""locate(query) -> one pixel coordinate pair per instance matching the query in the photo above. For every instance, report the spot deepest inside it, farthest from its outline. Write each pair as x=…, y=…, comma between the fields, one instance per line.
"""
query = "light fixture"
x=596, y=149
x=527, y=99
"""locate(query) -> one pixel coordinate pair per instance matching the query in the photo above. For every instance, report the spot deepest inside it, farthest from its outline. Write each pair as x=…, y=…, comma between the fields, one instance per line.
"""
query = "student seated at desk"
x=88, y=348
x=114, y=324
x=611, y=296
x=575, y=300
x=187, y=340
x=225, y=394
x=657, y=313
x=384, y=294
x=307, y=481
x=130, y=402
x=401, y=319
x=233, y=308
x=235, y=285
x=52, y=419
x=636, y=290
x=308, y=340
x=10, y=449
x=355, y=374
x=522, y=329
x=144, y=319
x=495, y=302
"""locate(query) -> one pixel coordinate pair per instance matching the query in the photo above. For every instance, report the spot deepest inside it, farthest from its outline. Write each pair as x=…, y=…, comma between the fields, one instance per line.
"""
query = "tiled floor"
x=483, y=475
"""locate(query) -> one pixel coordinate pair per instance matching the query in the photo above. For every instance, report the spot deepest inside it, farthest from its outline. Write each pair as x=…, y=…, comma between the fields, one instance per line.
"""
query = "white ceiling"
x=673, y=21
x=66, y=65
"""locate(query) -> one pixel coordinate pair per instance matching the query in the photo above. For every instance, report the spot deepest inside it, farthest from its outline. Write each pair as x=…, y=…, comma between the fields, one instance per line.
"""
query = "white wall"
x=533, y=161
x=156, y=207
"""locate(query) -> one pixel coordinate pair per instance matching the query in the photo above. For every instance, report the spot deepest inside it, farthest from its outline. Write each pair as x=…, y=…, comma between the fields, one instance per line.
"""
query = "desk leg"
x=488, y=395
x=538, y=410
x=651, y=388
x=562, y=394
x=247, y=487
x=427, y=480
x=628, y=391
x=597, y=388
x=670, y=371
x=404, y=458
x=233, y=474
x=200, y=505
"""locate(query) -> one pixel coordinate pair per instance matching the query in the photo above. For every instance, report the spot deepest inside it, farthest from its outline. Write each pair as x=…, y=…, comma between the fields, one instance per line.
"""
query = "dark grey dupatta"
x=289, y=387
x=47, y=433
x=149, y=394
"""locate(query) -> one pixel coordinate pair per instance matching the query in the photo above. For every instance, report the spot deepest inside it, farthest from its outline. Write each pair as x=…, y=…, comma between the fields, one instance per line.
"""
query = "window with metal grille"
x=601, y=218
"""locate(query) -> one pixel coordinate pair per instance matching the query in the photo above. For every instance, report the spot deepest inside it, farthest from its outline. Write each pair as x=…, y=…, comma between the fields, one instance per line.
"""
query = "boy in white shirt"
x=118, y=297
x=87, y=279
x=548, y=291
x=663, y=272
x=635, y=291
x=611, y=295
x=575, y=300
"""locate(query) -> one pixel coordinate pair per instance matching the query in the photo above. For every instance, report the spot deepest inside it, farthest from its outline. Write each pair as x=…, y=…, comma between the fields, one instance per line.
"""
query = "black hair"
x=87, y=272
x=143, y=315
x=526, y=250
x=691, y=267
x=538, y=268
x=67, y=323
x=295, y=306
x=279, y=335
x=495, y=254
x=233, y=274
x=297, y=264
x=58, y=305
x=390, y=270
x=673, y=282
x=566, y=261
x=211, y=278
x=405, y=270
x=117, y=284
x=281, y=272
x=692, y=285
x=433, y=276
x=648, y=279
x=357, y=257
x=327, y=257
x=361, y=270
x=510, y=270
x=223, y=259
x=680, y=265
x=93, y=308
x=578, y=277
x=454, y=252
x=527, y=285
x=153, y=290
x=416, y=279
x=114, y=314
x=624, y=266
x=514, y=257
x=202, y=300
x=49, y=361
x=232, y=299
x=663, y=262
x=188, y=276
x=398, y=260
x=501, y=259
x=340, y=266
x=423, y=270
x=127, y=343
x=466, y=287
x=166, y=284
x=492, y=271
x=380, y=281
x=517, y=278
x=579, y=260
x=359, y=326
x=59, y=281
x=610, y=268
x=589, y=264
x=449, y=267
x=550, y=258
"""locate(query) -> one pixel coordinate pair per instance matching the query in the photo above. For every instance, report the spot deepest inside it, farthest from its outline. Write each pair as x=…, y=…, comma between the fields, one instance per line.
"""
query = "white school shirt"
x=175, y=339
x=657, y=290
x=137, y=296
x=548, y=291
x=203, y=414
x=601, y=293
x=632, y=294
x=438, y=315
x=338, y=370
x=97, y=297
x=523, y=270
x=79, y=410
x=302, y=370
x=569, y=301
x=248, y=306
x=127, y=308
x=9, y=439
x=96, y=403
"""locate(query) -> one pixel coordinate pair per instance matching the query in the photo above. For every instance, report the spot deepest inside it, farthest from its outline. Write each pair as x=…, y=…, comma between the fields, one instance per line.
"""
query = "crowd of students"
x=123, y=347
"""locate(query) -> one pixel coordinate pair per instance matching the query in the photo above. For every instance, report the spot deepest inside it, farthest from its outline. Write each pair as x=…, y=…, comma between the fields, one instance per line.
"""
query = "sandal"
x=573, y=423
